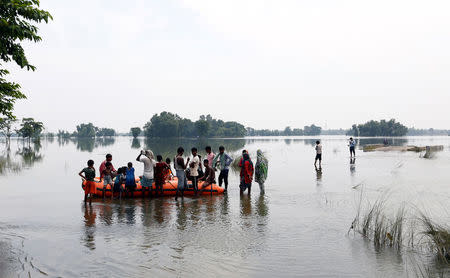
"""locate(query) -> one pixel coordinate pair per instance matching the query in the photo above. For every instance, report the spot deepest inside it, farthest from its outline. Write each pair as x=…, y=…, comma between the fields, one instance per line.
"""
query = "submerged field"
x=300, y=227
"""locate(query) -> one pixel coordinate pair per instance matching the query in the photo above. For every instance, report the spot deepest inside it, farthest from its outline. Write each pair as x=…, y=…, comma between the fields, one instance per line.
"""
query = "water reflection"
x=89, y=226
x=135, y=143
x=89, y=144
x=318, y=176
x=352, y=166
x=25, y=157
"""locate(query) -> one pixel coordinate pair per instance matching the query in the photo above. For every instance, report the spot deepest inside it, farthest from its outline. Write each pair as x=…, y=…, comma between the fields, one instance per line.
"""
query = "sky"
x=265, y=64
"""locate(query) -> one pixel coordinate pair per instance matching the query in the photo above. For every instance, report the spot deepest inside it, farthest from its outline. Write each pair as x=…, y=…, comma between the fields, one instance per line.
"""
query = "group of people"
x=159, y=171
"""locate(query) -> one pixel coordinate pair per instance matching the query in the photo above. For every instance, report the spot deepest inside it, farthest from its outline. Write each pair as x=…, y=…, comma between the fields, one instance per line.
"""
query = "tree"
x=102, y=132
x=30, y=128
x=86, y=130
x=381, y=128
x=135, y=131
x=6, y=126
x=202, y=127
x=16, y=25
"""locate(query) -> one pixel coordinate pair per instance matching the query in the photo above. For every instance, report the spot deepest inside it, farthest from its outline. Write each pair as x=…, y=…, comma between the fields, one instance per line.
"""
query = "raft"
x=169, y=189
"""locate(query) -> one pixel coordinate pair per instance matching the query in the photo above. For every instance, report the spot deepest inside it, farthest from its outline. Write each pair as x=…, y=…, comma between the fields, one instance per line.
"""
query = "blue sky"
x=267, y=64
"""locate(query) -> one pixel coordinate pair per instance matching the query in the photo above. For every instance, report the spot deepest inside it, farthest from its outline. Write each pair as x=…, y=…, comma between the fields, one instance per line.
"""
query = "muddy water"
x=298, y=228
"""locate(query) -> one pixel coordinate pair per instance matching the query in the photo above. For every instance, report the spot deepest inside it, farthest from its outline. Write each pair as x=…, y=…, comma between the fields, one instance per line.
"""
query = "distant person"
x=107, y=175
x=209, y=177
x=385, y=142
x=147, y=157
x=89, y=177
x=119, y=181
x=130, y=179
x=224, y=161
x=180, y=166
x=160, y=169
x=193, y=169
x=246, y=174
x=209, y=155
x=318, y=154
x=103, y=165
x=261, y=169
x=352, y=144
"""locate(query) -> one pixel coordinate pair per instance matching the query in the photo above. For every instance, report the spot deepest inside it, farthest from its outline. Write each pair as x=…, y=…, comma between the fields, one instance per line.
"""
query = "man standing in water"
x=209, y=155
x=318, y=154
x=352, y=144
x=181, y=175
x=224, y=162
x=193, y=169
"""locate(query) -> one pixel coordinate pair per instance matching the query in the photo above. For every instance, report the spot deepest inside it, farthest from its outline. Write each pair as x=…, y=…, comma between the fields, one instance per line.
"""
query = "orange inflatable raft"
x=169, y=188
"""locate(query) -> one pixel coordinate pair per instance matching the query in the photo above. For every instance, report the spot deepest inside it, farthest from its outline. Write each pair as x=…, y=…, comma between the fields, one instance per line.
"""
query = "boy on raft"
x=89, y=176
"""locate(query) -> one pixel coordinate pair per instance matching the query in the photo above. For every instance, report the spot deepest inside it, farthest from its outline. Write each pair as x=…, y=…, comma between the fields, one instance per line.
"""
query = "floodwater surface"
x=298, y=228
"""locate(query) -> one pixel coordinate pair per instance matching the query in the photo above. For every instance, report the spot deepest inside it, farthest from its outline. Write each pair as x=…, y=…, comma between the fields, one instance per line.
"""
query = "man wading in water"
x=224, y=162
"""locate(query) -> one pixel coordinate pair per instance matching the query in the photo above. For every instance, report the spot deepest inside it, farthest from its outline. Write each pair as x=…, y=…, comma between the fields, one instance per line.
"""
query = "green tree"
x=379, y=128
x=6, y=125
x=102, y=132
x=86, y=130
x=135, y=131
x=16, y=25
x=202, y=127
x=29, y=128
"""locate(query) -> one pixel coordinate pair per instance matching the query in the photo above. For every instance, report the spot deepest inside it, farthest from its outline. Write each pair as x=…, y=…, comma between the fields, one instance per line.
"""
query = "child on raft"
x=119, y=181
x=209, y=177
x=107, y=176
x=130, y=180
x=89, y=176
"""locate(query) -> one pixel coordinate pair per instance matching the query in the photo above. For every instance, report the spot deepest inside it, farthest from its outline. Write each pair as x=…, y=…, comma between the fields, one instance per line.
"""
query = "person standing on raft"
x=103, y=165
x=224, y=162
x=193, y=169
x=147, y=157
x=246, y=174
x=261, y=169
x=181, y=175
x=89, y=176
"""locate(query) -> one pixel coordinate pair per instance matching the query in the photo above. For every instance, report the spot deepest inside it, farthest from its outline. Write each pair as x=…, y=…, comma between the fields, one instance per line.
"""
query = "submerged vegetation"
x=406, y=230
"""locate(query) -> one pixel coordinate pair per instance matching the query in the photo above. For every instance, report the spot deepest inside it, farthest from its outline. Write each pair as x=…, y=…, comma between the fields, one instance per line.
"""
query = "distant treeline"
x=428, y=132
x=166, y=125
x=311, y=130
x=379, y=128
x=87, y=131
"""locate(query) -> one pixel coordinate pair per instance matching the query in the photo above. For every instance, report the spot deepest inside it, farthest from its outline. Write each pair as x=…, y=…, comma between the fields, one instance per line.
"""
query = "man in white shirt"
x=148, y=159
x=193, y=169
x=318, y=154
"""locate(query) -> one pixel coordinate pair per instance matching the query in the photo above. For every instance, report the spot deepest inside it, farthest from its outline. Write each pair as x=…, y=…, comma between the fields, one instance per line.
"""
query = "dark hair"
x=194, y=149
x=90, y=162
x=206, y=161
x=168, y=160
x=159, y=158
x=351, y=138
x=180, y=150
x=317, y=142
x=122, y=170
x=244, y=151
x=130, y=164
x=109, y=155
x=107, y=164
x=207, y=148
x=221, y=148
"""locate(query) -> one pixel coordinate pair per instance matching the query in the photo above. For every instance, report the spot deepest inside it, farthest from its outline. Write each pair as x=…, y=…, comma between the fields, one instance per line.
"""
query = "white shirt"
x=194, y=170
x=319, y=149
x=148, y=166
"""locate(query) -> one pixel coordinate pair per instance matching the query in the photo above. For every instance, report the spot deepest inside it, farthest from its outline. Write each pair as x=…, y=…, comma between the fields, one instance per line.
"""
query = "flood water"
x=298, y=228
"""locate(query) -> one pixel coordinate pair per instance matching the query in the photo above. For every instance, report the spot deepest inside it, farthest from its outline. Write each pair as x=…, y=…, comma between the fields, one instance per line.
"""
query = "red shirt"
x=103, y=167
x=160, y=171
